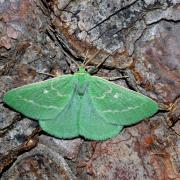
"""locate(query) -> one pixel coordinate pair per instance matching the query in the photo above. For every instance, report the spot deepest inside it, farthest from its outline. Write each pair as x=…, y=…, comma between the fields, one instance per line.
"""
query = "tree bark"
x=140, y=39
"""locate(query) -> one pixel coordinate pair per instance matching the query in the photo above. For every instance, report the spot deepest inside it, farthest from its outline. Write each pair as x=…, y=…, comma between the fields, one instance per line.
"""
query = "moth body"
x=81, y=105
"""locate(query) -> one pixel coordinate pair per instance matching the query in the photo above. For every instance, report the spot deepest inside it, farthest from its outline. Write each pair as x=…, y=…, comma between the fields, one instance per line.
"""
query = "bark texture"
x=143, y=37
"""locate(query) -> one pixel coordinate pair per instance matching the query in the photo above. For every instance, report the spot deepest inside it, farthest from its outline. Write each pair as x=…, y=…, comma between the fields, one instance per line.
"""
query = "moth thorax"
x=82, y=88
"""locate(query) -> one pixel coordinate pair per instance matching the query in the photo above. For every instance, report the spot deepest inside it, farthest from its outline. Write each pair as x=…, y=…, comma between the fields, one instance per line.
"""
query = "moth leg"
x=48, y=74
x=115, y=78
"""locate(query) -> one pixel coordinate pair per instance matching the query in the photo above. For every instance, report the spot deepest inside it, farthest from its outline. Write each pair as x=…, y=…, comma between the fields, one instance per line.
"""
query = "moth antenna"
x=75, y=62
x=48, y=74
x=110, y=54
x=103, y=61
x=85, y=58
x=92, y=57
x=95, y=69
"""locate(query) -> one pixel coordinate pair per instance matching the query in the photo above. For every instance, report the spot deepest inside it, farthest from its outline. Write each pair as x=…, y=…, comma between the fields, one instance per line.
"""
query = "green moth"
x=81, y=105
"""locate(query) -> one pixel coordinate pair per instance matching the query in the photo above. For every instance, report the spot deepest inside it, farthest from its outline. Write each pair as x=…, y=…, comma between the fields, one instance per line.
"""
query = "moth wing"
x=119, y=105
x=92, y=125
x=42, y=100
x=65, y=124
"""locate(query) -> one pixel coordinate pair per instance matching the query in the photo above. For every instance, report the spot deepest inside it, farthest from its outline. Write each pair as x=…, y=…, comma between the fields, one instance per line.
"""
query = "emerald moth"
x=80, y=105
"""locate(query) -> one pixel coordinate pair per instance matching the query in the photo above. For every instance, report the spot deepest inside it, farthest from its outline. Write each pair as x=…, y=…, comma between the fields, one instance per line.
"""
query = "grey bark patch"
x=67, y=148
x=39, y=163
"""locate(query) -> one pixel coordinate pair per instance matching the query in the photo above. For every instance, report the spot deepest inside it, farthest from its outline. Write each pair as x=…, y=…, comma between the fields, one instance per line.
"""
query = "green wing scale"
x=81, y=105
x=119, y=105
x=80, y=117
x=91, y=122
x=65, y=123
x=42, y=100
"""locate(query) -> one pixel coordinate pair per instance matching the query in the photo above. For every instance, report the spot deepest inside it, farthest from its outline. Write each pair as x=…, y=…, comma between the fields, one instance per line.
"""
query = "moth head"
x=82, y=69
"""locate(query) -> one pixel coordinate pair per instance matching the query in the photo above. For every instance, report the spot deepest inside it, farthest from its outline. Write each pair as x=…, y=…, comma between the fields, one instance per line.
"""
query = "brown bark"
x=48, y=36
